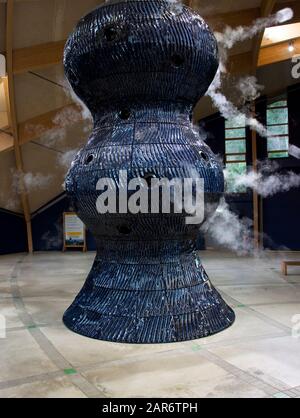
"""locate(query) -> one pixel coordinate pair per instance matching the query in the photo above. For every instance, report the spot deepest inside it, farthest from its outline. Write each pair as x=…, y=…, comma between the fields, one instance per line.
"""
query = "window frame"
x=270, y=106
x=243, y=155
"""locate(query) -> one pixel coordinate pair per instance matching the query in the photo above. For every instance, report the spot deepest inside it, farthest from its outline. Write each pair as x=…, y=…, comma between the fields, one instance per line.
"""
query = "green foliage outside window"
x=234, y=171
x=236, y=133
x=277, y=116
x=238, y=122
x=280, y=143
x=236, y=157
x=235, y=147
x=280, y=103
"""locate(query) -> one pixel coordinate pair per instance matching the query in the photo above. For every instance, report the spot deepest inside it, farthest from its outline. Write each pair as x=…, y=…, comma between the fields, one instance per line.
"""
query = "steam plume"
x=231, y=36
x=266, y=185
x=248, y=87
x=294, y=151
x=227, y=229
x=29, y=182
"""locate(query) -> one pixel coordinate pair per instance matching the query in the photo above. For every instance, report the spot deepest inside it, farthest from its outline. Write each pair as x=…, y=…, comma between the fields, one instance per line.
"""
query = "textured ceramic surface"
x=141, y=66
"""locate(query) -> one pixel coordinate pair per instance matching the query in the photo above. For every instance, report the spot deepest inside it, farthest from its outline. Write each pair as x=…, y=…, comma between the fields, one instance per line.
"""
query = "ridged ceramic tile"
x=141, y=67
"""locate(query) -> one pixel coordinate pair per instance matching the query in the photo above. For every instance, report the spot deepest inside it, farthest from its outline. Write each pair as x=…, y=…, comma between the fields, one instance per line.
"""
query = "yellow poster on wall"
x=74, y=232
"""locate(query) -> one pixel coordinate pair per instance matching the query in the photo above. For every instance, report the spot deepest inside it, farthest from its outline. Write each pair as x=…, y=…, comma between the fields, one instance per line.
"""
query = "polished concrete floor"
x=259, y=356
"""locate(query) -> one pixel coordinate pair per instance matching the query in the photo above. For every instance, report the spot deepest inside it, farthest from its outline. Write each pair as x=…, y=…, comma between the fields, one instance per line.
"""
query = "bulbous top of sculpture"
x=136, y=50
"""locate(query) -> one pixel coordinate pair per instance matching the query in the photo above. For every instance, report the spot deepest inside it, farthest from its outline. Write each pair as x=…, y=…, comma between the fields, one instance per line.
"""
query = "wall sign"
x=74, y=232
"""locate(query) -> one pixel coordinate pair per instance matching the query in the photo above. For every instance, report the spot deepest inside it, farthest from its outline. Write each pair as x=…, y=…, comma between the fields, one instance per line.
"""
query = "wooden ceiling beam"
x=241, y=63
x=6, y=142
x=277, y=52
x=12, y=114
x=233, y=19
x=37, y=57
x=45, y=55
x=41, y=56
x=267, y=7
x=238, y=64
x=33, y=128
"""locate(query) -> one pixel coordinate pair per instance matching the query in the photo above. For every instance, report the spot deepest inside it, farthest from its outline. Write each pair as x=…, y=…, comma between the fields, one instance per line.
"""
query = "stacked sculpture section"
x=140, y=67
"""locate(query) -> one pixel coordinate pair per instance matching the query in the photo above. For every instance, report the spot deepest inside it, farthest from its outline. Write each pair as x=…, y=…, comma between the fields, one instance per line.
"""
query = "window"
x=278, y=128
x=235, y=152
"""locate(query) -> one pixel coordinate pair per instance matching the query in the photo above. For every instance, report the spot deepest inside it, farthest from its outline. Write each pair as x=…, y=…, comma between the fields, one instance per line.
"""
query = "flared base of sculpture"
x=148, y=301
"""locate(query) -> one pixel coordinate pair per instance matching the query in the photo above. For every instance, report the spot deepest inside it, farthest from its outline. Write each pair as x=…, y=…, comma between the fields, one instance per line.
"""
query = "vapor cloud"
x=230, y=36
x=266, y=184
x=84, y=111
x=176, y=6
x=247, y=86
x=294, y=151
x=27, y=182
x=11, y=203
x=229, y=110
x=65, y=159
x=53, y=239
x=229, y=231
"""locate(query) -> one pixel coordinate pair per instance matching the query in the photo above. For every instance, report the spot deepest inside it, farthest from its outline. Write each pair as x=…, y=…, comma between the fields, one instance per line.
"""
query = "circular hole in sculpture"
x=177, y=60
x=124, y=229
x=124, y=114
x=89, y=159
x=204, y=156
x=110, y=33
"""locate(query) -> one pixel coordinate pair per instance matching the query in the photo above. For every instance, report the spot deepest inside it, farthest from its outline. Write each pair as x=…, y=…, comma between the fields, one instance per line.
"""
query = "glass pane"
x=238, y=157
x=239, y=122
x=278, y=144
x=275, y=116
x=233, y=172
x=278, y=130
x=235, y=147
x=278, y=155
x=280, y=103
x=235, y=133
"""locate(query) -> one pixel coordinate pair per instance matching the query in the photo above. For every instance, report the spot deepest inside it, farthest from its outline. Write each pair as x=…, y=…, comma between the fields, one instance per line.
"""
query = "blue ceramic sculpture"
x=140, y=67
